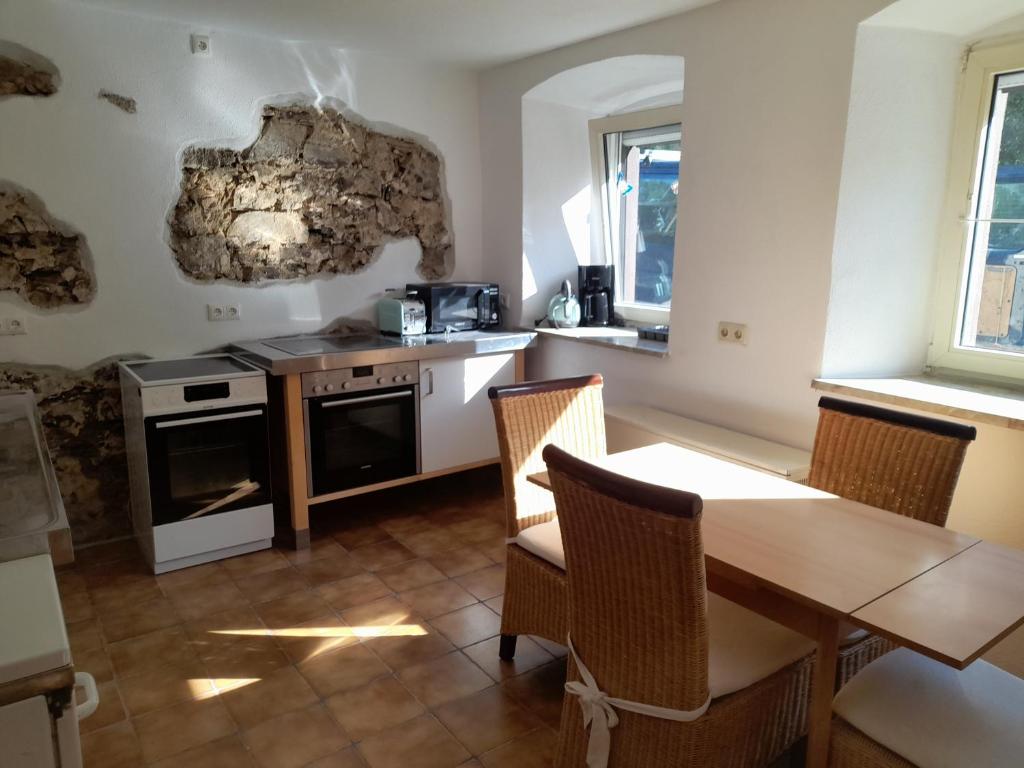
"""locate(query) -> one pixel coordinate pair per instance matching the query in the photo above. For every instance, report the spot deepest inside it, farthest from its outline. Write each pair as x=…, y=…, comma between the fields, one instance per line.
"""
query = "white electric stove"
x=196, y=434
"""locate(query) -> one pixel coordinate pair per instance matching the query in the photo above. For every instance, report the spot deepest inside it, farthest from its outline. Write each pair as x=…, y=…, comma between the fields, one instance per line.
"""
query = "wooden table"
x=818, y=563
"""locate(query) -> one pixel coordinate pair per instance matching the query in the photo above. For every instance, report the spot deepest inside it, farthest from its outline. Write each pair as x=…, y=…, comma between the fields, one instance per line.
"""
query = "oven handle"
x=204, y=419
x=367, y=399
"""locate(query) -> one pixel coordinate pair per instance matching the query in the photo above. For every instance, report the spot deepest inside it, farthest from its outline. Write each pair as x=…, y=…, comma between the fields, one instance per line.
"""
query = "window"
x=636, y=170
x=984, y=275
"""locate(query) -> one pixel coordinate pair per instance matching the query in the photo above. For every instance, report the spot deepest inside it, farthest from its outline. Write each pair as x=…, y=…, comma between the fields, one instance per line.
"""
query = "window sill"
x=971, y=399
x=614, y=338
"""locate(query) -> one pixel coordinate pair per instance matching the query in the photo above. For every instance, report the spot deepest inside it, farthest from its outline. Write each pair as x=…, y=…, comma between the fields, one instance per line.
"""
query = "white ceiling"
x=951, y=17
x=475, y=33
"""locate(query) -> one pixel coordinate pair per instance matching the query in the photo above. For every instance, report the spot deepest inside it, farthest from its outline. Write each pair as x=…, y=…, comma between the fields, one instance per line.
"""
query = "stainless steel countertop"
x=390, y=350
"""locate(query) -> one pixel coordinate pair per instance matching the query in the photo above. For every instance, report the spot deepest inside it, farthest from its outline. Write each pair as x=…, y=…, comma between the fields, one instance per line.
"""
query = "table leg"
x=819, y=714
x=295, y=435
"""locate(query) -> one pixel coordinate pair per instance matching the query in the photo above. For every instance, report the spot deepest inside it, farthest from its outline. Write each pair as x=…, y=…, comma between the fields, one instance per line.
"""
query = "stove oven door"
x=207, y=463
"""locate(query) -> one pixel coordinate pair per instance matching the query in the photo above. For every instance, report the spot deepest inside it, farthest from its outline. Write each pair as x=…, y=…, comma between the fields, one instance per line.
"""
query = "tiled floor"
x=375, y=648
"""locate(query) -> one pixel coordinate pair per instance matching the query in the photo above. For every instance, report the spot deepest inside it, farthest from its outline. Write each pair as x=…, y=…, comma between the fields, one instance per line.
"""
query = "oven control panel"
x=360, y=378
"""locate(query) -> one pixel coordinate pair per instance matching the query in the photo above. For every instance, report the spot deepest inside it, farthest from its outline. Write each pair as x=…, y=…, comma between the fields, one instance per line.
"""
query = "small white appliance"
x=38, y=714
x=198, y=460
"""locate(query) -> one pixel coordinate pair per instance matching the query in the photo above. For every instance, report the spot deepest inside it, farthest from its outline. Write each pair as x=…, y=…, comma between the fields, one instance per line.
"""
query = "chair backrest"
x=637, y=592
x=528, y=416
x=896, y=461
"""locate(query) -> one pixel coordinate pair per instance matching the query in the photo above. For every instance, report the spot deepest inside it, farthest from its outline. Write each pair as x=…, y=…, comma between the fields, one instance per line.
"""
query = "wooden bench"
x=633, y=426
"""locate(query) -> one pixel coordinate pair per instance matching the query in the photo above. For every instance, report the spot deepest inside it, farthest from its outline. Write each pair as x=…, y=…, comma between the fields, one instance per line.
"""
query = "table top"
x=826, y=552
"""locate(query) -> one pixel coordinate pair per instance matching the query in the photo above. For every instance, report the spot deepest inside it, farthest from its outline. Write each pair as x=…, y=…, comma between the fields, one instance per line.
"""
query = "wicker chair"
x=645, y=630
x=906, y=711
x=528, y=416
x=896, y=461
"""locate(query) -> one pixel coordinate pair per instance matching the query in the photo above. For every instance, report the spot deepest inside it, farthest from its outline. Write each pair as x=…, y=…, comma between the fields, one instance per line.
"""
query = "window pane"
x=994, y=306
x=643, y=184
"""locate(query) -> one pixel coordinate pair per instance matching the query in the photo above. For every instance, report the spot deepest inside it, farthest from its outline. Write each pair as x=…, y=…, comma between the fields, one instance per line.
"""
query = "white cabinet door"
x=456, y=421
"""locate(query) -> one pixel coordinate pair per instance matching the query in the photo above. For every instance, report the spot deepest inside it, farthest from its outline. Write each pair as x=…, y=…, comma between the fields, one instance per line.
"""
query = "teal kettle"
x=564, y=309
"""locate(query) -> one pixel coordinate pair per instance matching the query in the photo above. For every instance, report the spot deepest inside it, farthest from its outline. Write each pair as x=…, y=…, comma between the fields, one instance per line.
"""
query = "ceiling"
x=473, y=33
x=951, y=17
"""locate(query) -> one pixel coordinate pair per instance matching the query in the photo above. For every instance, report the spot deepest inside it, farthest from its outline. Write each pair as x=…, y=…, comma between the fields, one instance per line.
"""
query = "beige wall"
x=989, y=502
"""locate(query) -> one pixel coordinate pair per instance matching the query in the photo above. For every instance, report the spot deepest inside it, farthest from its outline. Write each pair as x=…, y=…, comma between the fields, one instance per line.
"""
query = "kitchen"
x=269, y=274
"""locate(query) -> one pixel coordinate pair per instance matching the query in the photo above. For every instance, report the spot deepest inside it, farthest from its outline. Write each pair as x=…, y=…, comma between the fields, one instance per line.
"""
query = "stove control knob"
x=329, y=388
x=407, y=377
x=346, y=385
x=381, y=380
x=316, y=388
x=397, y=379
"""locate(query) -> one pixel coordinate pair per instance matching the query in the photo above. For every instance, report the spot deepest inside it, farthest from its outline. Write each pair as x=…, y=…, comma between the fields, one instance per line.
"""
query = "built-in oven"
x=362, y=426
x=457, y=306
x=207, y=463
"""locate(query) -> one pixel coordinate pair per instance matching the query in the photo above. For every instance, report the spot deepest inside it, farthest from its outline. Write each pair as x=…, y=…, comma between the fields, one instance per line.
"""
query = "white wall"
x=767, y=91
x=895, y=166
x=114, y=176
x=556, y=201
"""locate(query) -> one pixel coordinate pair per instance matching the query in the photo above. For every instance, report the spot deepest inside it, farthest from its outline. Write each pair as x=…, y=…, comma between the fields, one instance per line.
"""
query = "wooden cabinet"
x=456, y=422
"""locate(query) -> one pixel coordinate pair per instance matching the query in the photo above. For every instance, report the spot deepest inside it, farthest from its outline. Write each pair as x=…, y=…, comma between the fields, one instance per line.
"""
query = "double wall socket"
x=734, y=333
x=217, y=312
x=12, y=326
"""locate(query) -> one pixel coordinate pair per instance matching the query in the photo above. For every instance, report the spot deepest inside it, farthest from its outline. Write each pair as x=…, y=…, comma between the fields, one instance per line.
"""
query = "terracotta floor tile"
x=485, y=583
x=455, y=562
x=404, y=524
x=405, y=576
x=468, y=625
x=533, y=750
x=541, y=691
x=120, y=573
x=292, y=610
x=264, y=587
x=374, y=557
x=69, y=581
x=295, y=739
x=342, y=669
x=193, y=602
x=528, y=656
x=444, y=679
x=207, y=573
x=312, y=638
x=555, y=649
x=339, y=566
x=419, y=743
x=496, y=551
x=96, y=662
x=255, y=562
x=161, y=686
x=106, y=553
x=235, y=646
x=479, y=531
x=281, y=691
x=474, y=763
x=486, y=720
x=387, y=611
x=109, y=711
x=84, y=635
x=436, y=599
x=347, y=758
x=319, y=548
x=116, y=597
x=353, y=591
x=228, y=752
x=426, y=542
x=175, y=729
x=382, y=704
x=76, y=606
x=360, y=536
x=496, y=604
x=165, y=647
x=115, y=746
x=138, y=619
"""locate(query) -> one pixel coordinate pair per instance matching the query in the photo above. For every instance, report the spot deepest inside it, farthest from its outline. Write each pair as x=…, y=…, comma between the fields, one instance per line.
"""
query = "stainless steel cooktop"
x=326, y=345
x=190, y=368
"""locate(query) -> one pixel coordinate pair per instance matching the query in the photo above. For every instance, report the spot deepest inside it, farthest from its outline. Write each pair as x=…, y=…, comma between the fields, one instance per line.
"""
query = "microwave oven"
x=457, y=306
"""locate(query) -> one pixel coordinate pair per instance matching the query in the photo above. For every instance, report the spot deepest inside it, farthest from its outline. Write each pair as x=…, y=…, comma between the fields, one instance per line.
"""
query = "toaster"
x=401, y=317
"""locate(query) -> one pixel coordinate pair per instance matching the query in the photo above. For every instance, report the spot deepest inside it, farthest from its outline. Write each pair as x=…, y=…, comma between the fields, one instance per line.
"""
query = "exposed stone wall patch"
x=25, y=73
x=42, y=260
x=316, y=193
x=124, y=103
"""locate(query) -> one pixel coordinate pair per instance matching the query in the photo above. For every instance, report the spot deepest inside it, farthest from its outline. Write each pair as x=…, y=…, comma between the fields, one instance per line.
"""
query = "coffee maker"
x=597, y=295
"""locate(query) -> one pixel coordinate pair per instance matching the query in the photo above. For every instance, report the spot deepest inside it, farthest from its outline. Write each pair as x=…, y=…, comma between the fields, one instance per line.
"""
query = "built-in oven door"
x=361, y=439
x=207, y=463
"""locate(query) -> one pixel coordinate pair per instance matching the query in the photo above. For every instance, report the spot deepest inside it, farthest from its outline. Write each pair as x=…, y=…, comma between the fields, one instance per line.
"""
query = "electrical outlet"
x=734, y=333
x=218, y=312
x=200, y=44
x=12, y=326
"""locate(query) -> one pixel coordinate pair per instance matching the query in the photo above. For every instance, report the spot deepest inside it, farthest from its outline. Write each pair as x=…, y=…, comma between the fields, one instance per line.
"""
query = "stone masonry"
x=20, y=79
x=316, y=193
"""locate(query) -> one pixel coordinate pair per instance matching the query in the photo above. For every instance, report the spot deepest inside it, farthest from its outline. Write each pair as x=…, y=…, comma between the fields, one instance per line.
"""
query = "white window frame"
x=631, y=121
x=983, y=64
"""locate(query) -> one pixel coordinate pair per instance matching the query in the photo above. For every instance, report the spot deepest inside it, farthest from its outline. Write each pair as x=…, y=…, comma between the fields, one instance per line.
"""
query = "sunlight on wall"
x=576, y=215
x=479, y=372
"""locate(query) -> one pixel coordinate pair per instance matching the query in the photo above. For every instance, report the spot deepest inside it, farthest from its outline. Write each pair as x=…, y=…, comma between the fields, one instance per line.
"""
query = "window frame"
x=982, y=64
x=598, y=127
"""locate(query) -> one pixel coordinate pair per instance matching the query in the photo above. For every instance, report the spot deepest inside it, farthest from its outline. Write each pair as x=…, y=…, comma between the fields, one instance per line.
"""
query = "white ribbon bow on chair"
x=599, y=714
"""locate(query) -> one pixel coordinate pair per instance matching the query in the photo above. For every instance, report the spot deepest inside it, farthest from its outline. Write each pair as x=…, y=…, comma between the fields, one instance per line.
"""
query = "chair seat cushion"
x=744, y=647
x=936, y=716
x=545, y=541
